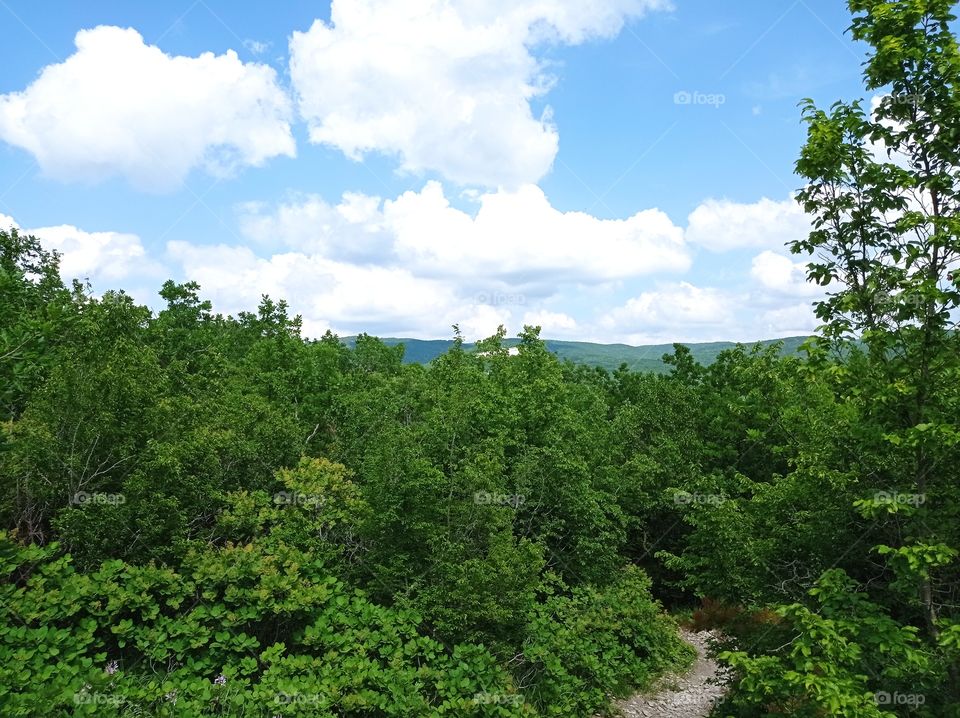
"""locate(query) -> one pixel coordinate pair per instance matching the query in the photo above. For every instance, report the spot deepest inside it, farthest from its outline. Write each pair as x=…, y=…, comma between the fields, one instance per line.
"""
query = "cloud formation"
x=780, y=274
x=674, y=312
x=120, y=107
x=416, y=264
x=444, y=85
x=109, y=260
x=720, y=225
x=517, y=236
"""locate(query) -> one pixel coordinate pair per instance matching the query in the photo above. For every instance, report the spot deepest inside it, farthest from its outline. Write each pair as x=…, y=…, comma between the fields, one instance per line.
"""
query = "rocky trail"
x=691, y=695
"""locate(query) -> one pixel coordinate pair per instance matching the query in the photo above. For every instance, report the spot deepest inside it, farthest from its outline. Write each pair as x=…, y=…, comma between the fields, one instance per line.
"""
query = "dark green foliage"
x=596, y=643
x=34, y=308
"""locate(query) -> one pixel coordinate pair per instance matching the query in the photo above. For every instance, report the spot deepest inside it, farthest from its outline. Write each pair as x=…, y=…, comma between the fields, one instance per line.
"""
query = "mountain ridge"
x=647, y=357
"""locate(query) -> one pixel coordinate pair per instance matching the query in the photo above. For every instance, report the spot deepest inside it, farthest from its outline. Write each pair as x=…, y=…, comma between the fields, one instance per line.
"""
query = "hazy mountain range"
x=608, y=356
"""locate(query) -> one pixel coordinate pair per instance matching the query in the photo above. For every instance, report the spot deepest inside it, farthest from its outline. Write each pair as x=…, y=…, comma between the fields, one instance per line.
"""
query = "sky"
x=612, y=171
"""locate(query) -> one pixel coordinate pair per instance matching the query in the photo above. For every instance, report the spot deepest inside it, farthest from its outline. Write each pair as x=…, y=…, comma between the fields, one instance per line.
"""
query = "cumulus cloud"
x=685, y=312
x=520, y=234
x=347, y=298
x=109, y=260
x=414, y=265
x=552, y=323
x=779, y=274
x=722, y=225
x=99, y=256
x=790, y=321
x=120, y=107
x=444, y=85
x=674, y=312
x=517, y=236
x=418, y=264
x=354, y=228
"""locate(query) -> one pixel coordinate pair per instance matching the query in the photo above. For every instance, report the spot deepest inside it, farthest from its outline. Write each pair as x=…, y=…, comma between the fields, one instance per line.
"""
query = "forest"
x=209, y=515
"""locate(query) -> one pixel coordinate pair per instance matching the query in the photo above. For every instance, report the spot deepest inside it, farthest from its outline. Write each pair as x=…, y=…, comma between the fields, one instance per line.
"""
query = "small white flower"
x=112, y=667
x=220, y=680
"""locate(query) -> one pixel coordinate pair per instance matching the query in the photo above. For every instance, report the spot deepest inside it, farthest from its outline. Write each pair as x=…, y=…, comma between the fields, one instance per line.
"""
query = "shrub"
x=596, y=643
x=232, y=631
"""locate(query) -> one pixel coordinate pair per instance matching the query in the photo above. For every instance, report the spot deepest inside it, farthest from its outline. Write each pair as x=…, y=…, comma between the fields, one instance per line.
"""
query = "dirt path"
x=691, y=695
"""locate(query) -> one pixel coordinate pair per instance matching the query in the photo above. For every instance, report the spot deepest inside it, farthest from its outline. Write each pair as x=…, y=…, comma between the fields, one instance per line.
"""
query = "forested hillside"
x=207, y=515
x=607, y=356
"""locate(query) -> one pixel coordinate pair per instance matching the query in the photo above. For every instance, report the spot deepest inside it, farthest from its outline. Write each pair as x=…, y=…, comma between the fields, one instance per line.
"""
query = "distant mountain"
x=608, y=356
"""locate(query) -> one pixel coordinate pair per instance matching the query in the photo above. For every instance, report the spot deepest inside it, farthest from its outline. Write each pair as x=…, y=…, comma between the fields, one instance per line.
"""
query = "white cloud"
x=781, y=275
x=416, y=264
x=552, y=323
x=353, y=229
x=688, y=313
x=119, y=107
x=520, y=235
x=722, y=225
x=109, y=260
x=790, y=321
x=674, y=312
x=443, y=84
x=515, y=236
x=347, y=298
x=101, y=256
x=7, y=223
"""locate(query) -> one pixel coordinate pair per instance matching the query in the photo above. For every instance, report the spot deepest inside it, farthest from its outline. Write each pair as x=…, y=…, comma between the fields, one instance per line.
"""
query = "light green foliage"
x=847, y=657
x=234, y=631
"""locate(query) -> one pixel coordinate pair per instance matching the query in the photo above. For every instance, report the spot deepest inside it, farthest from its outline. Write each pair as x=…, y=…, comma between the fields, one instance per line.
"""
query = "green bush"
x=596, y=643
x=233, y=631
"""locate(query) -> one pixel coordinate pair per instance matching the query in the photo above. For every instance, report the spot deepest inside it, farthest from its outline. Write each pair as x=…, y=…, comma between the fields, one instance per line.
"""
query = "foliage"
x=205, y=513
x=228, y=632
x=848, y=658
x=595, y=643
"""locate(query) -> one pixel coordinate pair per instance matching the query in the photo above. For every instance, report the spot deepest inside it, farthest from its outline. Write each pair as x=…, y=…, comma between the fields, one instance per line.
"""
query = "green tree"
x=882, y=189
x=34, y=306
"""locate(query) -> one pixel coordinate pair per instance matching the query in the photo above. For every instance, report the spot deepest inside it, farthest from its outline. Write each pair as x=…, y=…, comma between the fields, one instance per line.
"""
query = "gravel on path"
x=691, y=695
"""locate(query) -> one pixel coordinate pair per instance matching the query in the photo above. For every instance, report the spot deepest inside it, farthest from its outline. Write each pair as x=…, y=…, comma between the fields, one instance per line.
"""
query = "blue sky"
x=613, y=171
